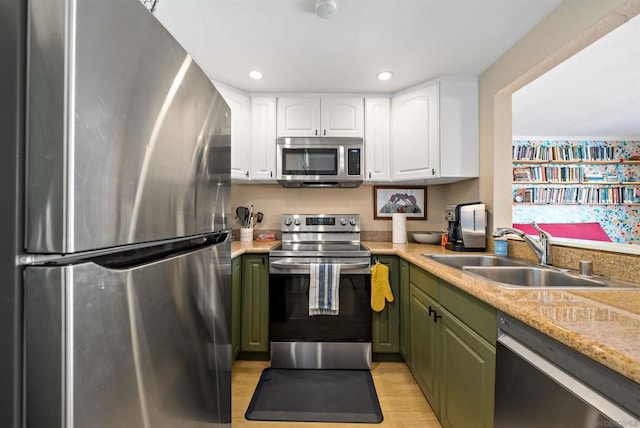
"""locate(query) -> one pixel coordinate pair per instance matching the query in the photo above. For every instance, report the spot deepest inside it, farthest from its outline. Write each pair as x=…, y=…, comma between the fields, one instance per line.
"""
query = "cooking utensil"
x=240, y=214
x=246, y=217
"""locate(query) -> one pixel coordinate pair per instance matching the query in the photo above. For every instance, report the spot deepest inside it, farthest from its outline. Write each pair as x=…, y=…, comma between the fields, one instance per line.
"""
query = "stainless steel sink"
x=529, y=276
x=460, y=261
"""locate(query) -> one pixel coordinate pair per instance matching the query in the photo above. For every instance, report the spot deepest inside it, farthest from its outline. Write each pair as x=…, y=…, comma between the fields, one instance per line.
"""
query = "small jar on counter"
x=501, y=247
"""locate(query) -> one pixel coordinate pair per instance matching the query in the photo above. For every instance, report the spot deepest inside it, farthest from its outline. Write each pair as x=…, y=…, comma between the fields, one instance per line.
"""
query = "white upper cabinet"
x=434, y=132
x=377, y=117
x=326, y=117
x=298, y=117
x=342, y=117
x=240, y=105
x=263, y=138
x=415, y=134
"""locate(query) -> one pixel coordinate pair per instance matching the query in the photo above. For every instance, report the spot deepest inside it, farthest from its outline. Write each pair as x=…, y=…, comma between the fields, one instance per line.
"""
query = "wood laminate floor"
x=401, y=400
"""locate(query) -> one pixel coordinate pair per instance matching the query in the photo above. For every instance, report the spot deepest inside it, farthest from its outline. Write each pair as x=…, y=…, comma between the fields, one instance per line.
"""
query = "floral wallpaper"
x=621, y=222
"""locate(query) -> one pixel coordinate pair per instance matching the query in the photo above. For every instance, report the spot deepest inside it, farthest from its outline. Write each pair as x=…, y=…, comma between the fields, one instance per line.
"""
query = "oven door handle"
x=343, y=266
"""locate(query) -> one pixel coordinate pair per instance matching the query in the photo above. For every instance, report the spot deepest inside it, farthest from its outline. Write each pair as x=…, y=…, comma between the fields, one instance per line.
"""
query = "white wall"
x=572, y=26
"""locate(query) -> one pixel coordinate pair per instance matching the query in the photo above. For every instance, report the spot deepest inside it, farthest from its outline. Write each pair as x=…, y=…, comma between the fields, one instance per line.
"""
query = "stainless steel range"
x=298, y=340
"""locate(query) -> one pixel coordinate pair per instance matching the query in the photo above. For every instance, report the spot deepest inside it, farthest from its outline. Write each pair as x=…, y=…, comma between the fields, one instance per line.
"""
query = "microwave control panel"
x=353, y=162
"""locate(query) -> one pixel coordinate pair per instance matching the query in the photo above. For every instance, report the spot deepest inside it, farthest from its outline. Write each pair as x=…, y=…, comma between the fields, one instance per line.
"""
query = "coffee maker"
x=467, y=229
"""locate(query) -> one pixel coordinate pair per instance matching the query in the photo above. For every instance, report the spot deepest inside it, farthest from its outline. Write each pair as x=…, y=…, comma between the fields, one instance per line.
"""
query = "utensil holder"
x=246, y=234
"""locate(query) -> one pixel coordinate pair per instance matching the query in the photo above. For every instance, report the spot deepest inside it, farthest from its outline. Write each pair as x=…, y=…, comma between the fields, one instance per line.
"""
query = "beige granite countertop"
x=601, y=324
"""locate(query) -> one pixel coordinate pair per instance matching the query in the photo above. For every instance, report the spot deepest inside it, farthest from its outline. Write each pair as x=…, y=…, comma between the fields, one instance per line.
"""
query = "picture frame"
x=388, y=200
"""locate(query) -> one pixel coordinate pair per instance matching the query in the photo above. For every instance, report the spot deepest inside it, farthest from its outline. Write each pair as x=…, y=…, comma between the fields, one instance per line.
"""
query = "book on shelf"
x=522, y=174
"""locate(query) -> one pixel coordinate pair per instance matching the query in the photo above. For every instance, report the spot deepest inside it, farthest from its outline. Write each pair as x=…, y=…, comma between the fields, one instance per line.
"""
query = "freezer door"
x=145, y=346
x=128, y=139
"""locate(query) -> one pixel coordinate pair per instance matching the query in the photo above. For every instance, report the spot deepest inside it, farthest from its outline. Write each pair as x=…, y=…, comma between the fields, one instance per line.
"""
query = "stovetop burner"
x=319, y=238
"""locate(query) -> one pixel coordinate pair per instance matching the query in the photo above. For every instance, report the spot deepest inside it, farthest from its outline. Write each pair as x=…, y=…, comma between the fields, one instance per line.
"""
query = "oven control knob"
x=297, y=222
x=343, y=221
x=353, y=221
x=287, y=221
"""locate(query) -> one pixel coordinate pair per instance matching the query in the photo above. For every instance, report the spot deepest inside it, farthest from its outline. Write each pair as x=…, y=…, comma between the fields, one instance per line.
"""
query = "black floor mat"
x=315, y=396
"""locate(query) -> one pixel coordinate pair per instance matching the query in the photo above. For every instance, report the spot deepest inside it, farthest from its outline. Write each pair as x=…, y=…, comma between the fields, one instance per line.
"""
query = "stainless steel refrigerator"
x=118, y=291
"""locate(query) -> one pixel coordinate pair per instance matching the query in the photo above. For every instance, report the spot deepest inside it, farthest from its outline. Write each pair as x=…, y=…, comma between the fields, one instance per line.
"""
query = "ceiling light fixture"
x=385, y=75
x=255, y=75
x=325, y=9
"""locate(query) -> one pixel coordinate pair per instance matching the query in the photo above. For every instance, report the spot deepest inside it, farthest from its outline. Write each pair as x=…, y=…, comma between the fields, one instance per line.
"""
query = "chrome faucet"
x=541, y=248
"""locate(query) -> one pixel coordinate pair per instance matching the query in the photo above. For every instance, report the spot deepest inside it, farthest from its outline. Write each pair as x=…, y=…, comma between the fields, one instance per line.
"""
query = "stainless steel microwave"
x=320, y=162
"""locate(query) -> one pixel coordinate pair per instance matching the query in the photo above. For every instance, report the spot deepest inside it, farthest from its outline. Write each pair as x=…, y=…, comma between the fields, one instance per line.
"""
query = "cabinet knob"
x=246, y=174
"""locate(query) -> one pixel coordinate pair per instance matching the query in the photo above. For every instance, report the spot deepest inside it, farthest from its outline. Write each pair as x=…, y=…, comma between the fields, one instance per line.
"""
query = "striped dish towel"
x=324, y=289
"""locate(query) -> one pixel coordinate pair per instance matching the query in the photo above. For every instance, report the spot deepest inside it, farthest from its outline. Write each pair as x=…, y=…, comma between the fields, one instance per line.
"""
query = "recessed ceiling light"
x=326, y=9
x=255, y=75
x=385, y=75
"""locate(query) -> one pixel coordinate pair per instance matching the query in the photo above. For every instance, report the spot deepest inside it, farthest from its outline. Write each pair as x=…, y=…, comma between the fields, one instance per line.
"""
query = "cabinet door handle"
x=369, y=175
x=316, y=132
x=246, y=174
x=436, y=316
x=431, y=311
x=325, y=132
x=433, y=171
x=270, y=173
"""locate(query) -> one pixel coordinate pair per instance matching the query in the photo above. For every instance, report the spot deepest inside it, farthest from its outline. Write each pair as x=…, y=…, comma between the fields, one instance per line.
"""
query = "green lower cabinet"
x=385, y=328
x=236, y=305
x=467, y=370
x=424, y=344
x=453, y=364
x=255, y=303
x=404, y=309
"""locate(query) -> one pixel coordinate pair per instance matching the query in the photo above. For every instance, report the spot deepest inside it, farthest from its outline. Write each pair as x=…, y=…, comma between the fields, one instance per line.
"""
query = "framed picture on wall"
x=397, y=199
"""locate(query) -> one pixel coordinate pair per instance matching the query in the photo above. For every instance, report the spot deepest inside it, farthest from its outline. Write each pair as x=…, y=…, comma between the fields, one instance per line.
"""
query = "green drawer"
x=424, y=281
x=476, y=314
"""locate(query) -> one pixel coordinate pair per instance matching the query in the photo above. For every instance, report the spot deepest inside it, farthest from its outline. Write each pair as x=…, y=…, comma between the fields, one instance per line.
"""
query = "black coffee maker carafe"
x=467, y=227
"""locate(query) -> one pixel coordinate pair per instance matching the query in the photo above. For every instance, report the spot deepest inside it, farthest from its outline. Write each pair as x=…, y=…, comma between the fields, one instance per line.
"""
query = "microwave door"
x=310, y=162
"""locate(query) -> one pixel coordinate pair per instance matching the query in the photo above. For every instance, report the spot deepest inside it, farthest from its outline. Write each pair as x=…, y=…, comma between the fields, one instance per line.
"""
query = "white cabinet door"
x=240, y=105
x=263, y=138
x=459, y=129
x=415, y=134
x=376, y=139
x=342, y=117
x=298, y=117
x=315, y=117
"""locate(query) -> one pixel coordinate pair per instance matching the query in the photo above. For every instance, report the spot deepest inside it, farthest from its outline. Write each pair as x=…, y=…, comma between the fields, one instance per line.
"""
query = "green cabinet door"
x=236, y=304
x=385, y=329
x=404, y=309
x=255, y=303
x=467, y=370
x=423, y=348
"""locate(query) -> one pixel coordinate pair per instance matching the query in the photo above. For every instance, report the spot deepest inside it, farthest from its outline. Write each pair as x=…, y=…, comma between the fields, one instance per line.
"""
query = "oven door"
x=320, y=341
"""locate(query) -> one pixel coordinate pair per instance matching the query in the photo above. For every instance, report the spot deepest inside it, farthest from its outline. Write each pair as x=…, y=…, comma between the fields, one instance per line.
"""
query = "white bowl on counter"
x=428, y=237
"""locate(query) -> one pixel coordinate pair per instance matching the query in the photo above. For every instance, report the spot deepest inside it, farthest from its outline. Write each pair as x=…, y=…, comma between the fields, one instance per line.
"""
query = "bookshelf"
x=583, y=173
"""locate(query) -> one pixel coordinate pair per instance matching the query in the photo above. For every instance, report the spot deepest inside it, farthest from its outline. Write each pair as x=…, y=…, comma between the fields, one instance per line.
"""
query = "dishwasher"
x=543, y=383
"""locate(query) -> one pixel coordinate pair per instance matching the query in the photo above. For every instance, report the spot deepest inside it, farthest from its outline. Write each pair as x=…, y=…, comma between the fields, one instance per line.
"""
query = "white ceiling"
x=597, y=92
x=297, y=51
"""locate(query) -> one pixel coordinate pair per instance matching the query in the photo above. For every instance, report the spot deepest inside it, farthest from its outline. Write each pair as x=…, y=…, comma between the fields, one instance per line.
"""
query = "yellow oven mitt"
x=380, y=287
